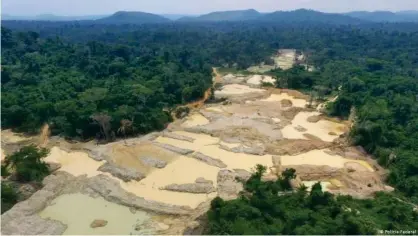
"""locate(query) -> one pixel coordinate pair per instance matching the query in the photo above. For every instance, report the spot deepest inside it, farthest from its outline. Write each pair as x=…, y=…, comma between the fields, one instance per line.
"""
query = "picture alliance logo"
x=398, y=232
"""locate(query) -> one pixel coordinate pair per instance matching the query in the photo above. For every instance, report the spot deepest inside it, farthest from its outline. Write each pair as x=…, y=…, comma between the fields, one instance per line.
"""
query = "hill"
x=304, y=15
x=385, y=16
x=51, y=17
x=176, y=16
x=132, y=17
x=240, y=15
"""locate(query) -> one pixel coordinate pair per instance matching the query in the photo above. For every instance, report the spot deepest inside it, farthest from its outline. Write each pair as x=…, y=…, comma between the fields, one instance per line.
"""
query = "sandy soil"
x=261, y=68
x=209, y=146
x=279, y=97
x=337, y=183
x=200, y=140
x=194, y=120
x=181, y=171
x=7, y=136
x=230, y=145
x=129, y=156
x=3, y=155
x=320, y=129
x=77, y=211
x=236, y=160
x=259, y=79
x=237, y=89
x=215, y=109
x=44, y=135
x=233, y=79
x=320, y=157
x=285, y=58
x=75, y=163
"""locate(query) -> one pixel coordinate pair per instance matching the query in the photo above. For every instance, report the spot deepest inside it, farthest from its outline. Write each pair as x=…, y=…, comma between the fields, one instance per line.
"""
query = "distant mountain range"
x=385, y=16
x=301, y=15
x=238, y=15
x=304, y=15
x=51, y=17
x=133, y=17
x=176, y=16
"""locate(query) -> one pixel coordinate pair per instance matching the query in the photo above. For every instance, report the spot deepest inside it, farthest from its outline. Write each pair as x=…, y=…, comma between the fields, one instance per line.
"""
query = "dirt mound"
x=354, y=166
x=295, y=146
x=177, y=136
x=361, y=184
x=208, y=160
x=202, y=180
x=286, y=103
x=172, y=148
x=255, y=150
x=191, y=188
x=154, y=162
x=294, y=93
x=125, y=174
x=313, y=119
x=292, y=112
x=228, y=186
x=98, y=223
x=311, y=137
x=315, y=173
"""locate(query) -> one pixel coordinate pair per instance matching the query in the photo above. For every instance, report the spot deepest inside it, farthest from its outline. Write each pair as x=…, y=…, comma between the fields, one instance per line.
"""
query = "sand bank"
x=320, y=157
x=237, y=89
x=320, y=129
x=194, y=120
x=8, y=136
x=75, y=163
x=259, y=79
x=296, y=102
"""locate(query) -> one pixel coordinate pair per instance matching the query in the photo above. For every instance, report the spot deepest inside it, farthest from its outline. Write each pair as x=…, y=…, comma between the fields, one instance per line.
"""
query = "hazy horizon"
x=193, y=7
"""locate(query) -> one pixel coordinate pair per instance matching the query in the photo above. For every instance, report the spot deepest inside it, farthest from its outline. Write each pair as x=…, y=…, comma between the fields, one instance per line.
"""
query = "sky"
x=100, y=7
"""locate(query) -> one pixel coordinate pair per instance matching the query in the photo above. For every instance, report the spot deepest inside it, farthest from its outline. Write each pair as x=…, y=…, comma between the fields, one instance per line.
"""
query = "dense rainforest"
x=113, y=80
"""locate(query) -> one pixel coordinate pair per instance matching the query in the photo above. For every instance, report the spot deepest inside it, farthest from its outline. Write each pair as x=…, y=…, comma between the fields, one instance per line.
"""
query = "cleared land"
x=179, y=170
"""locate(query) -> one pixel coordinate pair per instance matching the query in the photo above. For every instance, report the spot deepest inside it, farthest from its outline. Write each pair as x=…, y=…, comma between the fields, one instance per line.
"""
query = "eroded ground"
x=161, y=182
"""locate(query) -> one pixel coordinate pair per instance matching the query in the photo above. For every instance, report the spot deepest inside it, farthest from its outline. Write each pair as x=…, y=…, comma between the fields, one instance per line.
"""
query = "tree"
x=27, y=163
x=103, y=121
x=125, y=126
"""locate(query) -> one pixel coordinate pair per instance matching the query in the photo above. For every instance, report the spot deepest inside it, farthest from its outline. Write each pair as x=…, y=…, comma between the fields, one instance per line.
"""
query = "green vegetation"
x=86, y=90
x=23, y=166
x=88, y=80
x=269, y=208
x=383, y=90
x=26, y=164
x=8, y=197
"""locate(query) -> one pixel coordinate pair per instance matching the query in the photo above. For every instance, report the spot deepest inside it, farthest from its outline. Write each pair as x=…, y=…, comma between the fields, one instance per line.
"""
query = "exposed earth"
x=161, y=183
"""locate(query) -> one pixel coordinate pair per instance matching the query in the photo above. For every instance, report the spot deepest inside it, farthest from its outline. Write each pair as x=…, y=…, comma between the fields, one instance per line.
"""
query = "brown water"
x=77, y=211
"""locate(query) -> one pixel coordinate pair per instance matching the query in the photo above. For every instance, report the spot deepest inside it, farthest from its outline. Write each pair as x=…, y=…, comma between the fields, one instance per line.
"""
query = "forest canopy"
x=93, y=80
